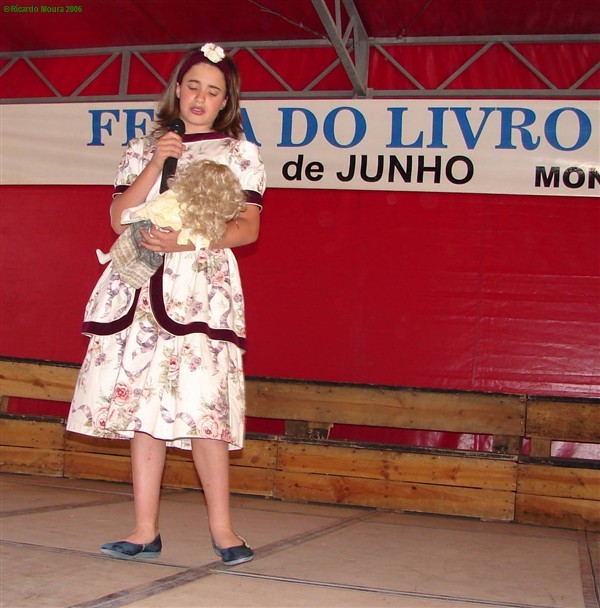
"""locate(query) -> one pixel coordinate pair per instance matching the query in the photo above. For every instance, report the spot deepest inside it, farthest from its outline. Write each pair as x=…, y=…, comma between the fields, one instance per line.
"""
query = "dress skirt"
x=174, y=368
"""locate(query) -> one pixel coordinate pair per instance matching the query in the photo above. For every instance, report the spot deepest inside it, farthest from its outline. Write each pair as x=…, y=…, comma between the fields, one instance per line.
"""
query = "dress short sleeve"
x=249, y=168
x=137, y=154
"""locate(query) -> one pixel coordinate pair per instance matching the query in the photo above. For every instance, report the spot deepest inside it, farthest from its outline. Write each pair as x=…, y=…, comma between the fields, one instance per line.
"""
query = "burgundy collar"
x=192, y=137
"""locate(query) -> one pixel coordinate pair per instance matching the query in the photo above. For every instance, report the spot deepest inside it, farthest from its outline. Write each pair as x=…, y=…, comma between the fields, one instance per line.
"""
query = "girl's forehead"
x=206, y=73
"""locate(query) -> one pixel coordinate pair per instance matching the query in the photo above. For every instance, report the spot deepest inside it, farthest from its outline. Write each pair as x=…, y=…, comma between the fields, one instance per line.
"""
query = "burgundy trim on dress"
x=180, y=329
x=192, y=137
x=114, y=327
x=253, y=197
x=160, y=314
x=119, y=189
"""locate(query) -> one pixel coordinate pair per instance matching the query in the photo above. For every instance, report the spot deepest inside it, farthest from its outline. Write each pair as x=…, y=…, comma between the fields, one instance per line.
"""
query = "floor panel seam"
x=379, y=590
x=450, y=528
x=302, y=537
x=81, y=553
x=40, y=484
x=589, y=565
x=62, y=507
x=145, y=590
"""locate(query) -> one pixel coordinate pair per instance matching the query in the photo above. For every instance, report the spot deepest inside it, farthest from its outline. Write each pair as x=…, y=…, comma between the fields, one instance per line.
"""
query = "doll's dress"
x=164, y=211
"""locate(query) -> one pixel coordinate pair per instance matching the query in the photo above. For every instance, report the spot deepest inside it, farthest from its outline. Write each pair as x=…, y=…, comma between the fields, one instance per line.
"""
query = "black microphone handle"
x=170, y=164
x=169, y=168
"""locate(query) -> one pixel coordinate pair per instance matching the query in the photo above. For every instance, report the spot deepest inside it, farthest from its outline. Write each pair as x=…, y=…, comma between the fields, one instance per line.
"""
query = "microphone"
x=170, y=166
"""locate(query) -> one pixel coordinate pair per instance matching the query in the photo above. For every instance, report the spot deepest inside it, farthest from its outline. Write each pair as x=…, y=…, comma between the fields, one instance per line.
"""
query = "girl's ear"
x=224, y=103
x=177, y=90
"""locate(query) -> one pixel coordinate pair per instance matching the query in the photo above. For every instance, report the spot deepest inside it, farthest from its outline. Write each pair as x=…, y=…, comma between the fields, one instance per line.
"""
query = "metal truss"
x=352, y=46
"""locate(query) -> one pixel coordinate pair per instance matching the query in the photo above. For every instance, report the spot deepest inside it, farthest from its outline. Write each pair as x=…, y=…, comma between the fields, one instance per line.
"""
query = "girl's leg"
x=211, y=458
x=147, y=464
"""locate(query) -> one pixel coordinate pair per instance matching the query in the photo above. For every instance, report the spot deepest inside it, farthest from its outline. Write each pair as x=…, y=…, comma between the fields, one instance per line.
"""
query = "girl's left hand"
x=163, y=241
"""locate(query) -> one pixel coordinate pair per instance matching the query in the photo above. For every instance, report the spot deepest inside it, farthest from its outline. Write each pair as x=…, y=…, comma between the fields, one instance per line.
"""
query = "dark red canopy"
x=118, y=23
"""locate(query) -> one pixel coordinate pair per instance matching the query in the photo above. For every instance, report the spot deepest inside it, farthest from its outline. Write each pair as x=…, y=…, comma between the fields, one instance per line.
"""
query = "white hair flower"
x=213, y=52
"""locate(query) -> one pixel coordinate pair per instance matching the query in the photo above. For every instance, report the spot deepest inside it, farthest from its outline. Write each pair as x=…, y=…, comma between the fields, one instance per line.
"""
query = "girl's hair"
x=229, y=119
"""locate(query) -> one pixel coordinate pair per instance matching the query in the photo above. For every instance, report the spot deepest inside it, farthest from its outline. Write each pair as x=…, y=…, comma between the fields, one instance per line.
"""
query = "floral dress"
x=167, y=359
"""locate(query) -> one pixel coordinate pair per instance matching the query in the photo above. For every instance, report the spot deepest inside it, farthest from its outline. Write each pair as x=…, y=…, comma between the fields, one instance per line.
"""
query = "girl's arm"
x=168, y=145
x=241, y=231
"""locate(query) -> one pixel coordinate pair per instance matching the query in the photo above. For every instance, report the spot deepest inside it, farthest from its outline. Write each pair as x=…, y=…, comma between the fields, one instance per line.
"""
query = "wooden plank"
x=253, y=481
x=390, y=465
x=565, y=421
x=296, y=428
x=507, y=444
x=559, y=512
x=257, y=453
x=397, y=408
x=14, y=459
x=37, y=381
x=540, y=447
x=107, y=467
x=75, y=442
x=181, y=473
x=31, y=433
x=547, y=480
x=423, y=498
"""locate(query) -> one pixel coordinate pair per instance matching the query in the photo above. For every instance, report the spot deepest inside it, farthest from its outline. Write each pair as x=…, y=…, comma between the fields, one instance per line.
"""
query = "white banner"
x=549, y=147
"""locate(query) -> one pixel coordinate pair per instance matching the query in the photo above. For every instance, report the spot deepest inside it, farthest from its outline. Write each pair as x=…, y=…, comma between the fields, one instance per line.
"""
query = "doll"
x=203, y=197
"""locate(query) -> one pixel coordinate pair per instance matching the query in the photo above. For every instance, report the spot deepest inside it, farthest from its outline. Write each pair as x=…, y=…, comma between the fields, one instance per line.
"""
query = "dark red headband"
x=200, y=57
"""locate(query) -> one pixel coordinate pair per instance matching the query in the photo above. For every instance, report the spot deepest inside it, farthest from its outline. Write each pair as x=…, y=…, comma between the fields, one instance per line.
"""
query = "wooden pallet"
x=303, y=465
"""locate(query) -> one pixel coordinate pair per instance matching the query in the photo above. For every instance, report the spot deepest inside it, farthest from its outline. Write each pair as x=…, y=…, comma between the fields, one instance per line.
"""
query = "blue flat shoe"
x=234, y=555
x=127, y=550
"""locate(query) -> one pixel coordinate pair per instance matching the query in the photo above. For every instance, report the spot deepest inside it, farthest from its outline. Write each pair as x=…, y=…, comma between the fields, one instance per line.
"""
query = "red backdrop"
x=465, y=292
x=459, y=292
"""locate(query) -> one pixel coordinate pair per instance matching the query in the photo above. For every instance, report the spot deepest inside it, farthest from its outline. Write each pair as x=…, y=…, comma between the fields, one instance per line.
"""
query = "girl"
x=164, y=363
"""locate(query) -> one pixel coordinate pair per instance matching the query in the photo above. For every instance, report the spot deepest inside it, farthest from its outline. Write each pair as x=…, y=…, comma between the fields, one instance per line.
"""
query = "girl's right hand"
x=170, y=145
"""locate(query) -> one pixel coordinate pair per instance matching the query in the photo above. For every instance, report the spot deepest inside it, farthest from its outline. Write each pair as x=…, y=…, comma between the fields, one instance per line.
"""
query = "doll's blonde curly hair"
x=209, y=196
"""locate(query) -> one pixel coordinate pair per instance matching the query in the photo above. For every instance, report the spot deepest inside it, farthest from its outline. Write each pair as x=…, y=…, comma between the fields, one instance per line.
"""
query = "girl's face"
x=202, y=94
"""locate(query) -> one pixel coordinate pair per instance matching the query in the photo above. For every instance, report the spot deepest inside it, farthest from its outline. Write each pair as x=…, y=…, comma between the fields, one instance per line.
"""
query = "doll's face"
x=202, y=95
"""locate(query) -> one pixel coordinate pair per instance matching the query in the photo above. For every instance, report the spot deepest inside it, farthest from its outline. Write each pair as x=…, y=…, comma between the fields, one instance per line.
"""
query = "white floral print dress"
x=167, y=359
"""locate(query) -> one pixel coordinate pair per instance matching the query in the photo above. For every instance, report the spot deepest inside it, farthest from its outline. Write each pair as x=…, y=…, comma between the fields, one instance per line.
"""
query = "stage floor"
x=306, y=555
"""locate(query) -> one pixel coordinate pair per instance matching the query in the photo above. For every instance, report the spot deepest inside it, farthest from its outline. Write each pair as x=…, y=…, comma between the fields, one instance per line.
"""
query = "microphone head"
x=177, y=126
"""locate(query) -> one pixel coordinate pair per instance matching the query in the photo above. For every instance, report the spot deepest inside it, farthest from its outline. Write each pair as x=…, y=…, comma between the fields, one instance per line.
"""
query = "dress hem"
x=169, y=441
